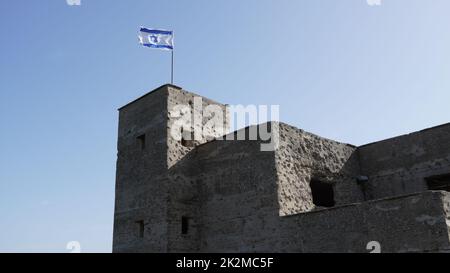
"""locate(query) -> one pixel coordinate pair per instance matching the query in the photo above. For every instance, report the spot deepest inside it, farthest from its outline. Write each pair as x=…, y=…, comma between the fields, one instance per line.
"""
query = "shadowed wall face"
x=402, y=165
x=238, y=195
x=185, y=222
x=150, y=215
x=140, y=221
x=414, y=223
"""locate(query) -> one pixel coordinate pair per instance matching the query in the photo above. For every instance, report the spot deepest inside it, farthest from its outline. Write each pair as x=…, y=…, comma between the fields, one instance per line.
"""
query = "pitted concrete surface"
x=233, y=197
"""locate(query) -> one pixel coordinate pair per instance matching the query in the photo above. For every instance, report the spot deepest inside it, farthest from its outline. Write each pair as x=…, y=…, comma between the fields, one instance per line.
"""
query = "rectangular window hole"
x=187, y=139
x=141, y=228
x=439, y=182
x=141, y=141
x=185, y=225
x=322, y=193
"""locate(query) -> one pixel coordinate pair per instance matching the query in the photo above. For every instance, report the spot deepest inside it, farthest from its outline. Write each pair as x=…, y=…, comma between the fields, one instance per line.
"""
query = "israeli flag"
x=154, y=38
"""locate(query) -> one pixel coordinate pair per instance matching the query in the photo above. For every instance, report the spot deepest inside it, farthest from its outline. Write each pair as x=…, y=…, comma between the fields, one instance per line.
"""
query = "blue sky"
x=342, y=69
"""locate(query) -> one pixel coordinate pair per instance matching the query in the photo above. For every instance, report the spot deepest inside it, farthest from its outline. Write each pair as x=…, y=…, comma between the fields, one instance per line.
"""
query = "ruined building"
x=310, y=194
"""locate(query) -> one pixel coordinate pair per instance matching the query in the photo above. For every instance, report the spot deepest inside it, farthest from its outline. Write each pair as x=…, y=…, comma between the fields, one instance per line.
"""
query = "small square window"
x=187, y=139
x=141, y=228
x=185, y=225
x=141, y=141
x=439, y=182
x=322, y=193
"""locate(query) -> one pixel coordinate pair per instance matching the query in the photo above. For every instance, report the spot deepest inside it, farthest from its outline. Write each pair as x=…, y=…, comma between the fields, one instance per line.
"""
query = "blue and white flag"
x=154, y=38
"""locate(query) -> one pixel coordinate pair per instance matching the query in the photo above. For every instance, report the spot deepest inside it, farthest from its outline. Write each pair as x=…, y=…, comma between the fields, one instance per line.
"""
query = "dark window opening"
x=363, y=183
x=439, y=182
x=184, y=225
x=141, y=228
x=187, y=139
x=322, y=193
x=141, y=141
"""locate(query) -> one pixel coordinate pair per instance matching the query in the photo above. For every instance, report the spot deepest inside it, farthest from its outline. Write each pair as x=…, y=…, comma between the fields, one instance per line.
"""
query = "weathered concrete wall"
x=446, y=201
x=238, y=198
x=184, y=172
x=303, y=156
x=146, y=186
x=414, y=223
x=141, y=182
x=399, y=165
x=195, y=112
x=147, y=183
x=240, y=211
x=239, y=195
x=228, y=189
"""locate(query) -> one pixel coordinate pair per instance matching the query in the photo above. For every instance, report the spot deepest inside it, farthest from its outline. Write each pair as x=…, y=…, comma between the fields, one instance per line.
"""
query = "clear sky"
x=341, y=69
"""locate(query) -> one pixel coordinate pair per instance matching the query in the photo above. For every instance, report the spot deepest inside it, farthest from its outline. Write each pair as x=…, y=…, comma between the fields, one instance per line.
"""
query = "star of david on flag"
x=155, y=38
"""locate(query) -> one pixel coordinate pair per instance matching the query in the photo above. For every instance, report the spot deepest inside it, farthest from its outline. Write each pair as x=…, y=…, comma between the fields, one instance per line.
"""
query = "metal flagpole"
x=171, y=78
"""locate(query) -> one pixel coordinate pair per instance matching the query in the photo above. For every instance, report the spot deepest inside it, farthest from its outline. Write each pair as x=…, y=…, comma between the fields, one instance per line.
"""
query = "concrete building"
x=310, y=194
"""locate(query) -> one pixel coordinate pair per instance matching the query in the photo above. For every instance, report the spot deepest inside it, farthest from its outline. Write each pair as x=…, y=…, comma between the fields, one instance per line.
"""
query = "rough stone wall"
x=228, y=189
x=148, y=186
x=303, y=156
x=237, y=185
x=240, y=199
x=177, y=97
x=141, y=193
x=446, y=203
x=183, y=191
x=240, y=194
x=414, y=223
x=399, y=165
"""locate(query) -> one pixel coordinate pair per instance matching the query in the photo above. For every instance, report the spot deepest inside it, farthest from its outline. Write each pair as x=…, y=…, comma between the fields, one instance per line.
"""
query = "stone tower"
x=147, y=207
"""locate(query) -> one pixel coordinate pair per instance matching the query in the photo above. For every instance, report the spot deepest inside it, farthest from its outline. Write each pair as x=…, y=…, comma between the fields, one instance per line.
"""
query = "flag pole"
x=173, y=48
x=171, y=74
